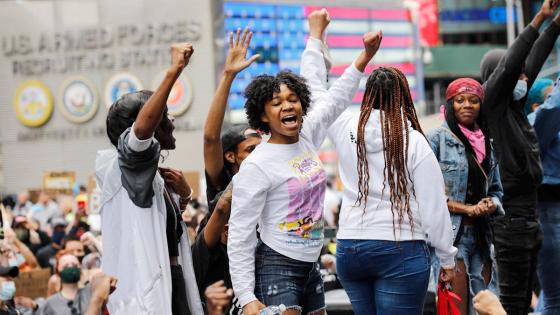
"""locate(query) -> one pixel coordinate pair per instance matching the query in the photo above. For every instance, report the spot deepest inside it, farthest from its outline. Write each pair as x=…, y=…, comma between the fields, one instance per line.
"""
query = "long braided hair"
x=387, y=90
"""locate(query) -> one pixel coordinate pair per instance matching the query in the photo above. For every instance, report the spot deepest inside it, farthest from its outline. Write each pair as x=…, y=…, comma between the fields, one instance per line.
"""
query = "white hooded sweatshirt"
x=428, y=202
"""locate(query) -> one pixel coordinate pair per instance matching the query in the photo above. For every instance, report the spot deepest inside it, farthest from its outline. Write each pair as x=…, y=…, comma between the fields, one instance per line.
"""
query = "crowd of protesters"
x=473, y=204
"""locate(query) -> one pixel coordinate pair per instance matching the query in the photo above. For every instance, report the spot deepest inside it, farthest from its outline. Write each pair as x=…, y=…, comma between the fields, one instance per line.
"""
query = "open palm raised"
x=236, y=59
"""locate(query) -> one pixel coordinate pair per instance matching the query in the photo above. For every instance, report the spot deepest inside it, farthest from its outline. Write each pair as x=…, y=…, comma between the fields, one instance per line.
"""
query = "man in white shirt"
x=145, y=246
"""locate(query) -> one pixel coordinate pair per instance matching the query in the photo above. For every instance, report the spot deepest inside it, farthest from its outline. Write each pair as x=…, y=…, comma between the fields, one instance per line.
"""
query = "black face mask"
x=70, y=275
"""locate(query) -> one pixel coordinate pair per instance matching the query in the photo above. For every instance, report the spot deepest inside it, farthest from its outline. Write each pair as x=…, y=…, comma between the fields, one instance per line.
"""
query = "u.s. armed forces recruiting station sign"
x=70, y=50
x=63, y=63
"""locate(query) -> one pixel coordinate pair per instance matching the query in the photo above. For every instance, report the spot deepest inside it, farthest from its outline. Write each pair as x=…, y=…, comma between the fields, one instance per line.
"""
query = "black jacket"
x=514, y=139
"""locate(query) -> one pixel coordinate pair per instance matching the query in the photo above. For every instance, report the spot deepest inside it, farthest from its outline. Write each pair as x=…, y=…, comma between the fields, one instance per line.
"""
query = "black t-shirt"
x=210, y=266
x=46, y=256
x=211, y=190
x=10, y=310
x=173, y=229
x=549, y=193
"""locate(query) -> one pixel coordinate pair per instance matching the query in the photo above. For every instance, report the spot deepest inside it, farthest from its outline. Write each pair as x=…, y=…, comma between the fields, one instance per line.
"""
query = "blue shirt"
x=546, y=122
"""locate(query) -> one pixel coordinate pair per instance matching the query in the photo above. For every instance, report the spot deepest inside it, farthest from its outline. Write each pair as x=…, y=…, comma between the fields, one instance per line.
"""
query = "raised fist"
x=372, y=41
x=180, y=54
x=318, y=21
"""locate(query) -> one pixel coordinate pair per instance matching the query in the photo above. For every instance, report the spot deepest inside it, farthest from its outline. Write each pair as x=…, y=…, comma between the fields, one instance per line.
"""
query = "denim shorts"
x=283, y=280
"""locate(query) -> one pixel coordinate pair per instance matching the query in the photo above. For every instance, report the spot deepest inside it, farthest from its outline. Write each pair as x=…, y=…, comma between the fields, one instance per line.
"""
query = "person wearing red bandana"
x=473, y=186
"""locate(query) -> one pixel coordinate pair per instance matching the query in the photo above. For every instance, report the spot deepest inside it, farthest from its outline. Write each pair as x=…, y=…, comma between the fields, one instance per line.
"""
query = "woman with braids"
x=281, y=184
x=472, y=182
x=393, y=201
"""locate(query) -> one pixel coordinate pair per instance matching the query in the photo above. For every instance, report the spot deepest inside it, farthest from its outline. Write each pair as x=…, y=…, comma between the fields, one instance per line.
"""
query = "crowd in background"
x=468, y=205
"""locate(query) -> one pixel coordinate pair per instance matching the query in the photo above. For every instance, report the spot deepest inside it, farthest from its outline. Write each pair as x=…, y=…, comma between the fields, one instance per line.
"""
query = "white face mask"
x=520, y=90
x=7, y=291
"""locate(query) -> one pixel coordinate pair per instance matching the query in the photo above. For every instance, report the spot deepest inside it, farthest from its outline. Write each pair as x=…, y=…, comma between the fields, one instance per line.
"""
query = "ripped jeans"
x=384, y=277
x=283, y=280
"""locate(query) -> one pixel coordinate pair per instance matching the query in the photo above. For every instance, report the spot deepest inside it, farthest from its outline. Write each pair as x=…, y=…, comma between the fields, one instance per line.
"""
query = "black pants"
x=179, y=304
x=517, y=241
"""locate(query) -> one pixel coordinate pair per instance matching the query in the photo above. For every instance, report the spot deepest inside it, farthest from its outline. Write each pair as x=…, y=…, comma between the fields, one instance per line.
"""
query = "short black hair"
x=67, y=239
x=123, y=113
x=260, y=91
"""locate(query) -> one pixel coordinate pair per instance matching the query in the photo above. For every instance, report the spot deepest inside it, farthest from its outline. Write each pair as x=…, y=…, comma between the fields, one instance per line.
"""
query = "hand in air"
x=181, y=54
x=549, y=7
x=236, y=59
x=372, y=41
x=318, y=21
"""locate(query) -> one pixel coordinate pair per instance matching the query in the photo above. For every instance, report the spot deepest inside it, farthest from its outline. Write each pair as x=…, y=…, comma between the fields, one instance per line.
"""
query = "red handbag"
x=445, y=303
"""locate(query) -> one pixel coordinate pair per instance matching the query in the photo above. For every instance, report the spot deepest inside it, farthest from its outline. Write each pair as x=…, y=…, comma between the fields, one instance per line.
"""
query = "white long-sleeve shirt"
x=281, y=187
x=427, y=190
x=428, y=202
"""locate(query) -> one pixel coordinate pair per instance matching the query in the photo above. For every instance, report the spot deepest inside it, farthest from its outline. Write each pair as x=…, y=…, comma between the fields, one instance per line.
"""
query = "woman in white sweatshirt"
x=393, y=201
x=281, y=185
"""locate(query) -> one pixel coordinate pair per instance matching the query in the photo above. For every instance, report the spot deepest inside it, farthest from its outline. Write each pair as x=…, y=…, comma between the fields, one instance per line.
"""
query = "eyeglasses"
x=73, y=309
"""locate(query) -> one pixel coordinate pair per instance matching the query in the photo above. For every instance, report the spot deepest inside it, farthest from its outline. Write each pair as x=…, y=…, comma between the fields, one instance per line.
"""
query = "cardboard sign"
x=59, y=182
x=193, y=178
x=33, y=284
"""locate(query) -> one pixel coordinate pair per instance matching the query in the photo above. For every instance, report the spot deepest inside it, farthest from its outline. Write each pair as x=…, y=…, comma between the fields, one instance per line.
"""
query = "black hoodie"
x=514, y=139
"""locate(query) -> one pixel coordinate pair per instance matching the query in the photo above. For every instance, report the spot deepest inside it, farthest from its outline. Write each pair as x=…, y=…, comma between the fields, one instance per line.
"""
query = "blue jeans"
x=384, y=277
x=549, y=256
x=283, y=280
x=470, y=253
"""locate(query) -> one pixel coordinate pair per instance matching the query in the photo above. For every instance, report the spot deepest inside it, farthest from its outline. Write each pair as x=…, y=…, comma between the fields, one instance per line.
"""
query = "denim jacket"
x=452, y=159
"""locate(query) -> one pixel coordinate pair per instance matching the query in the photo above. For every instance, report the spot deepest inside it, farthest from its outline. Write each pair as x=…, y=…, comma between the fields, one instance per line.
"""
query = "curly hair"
x=261, y=90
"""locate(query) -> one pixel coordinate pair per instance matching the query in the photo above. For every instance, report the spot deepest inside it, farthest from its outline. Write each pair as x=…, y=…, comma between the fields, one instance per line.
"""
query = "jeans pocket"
x=342, y=247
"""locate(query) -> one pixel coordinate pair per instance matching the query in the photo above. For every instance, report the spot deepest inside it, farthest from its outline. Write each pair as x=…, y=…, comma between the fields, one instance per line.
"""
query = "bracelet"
x=186, y=199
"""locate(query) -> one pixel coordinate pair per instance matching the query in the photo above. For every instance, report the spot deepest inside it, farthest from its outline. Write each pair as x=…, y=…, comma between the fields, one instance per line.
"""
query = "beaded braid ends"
x=387, y=90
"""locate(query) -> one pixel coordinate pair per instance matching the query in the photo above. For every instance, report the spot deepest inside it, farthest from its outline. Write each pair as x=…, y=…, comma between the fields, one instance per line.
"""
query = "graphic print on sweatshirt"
x=306, y=192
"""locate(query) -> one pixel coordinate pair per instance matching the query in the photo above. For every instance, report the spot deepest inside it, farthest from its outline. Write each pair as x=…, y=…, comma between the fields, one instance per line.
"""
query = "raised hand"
x=236, y=59
x=318, y=21
x=548, y=7
x=372, y=41
x=181, y=54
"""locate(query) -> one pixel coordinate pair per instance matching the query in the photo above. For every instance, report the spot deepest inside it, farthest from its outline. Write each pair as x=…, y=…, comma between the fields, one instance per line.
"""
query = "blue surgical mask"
x=37, y=208
x=17, y=260
x=8, y=290
x=520, y=90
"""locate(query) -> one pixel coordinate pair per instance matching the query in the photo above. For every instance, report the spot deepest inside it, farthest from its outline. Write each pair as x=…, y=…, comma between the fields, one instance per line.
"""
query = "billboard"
x=280, y=31
x=63, y=63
